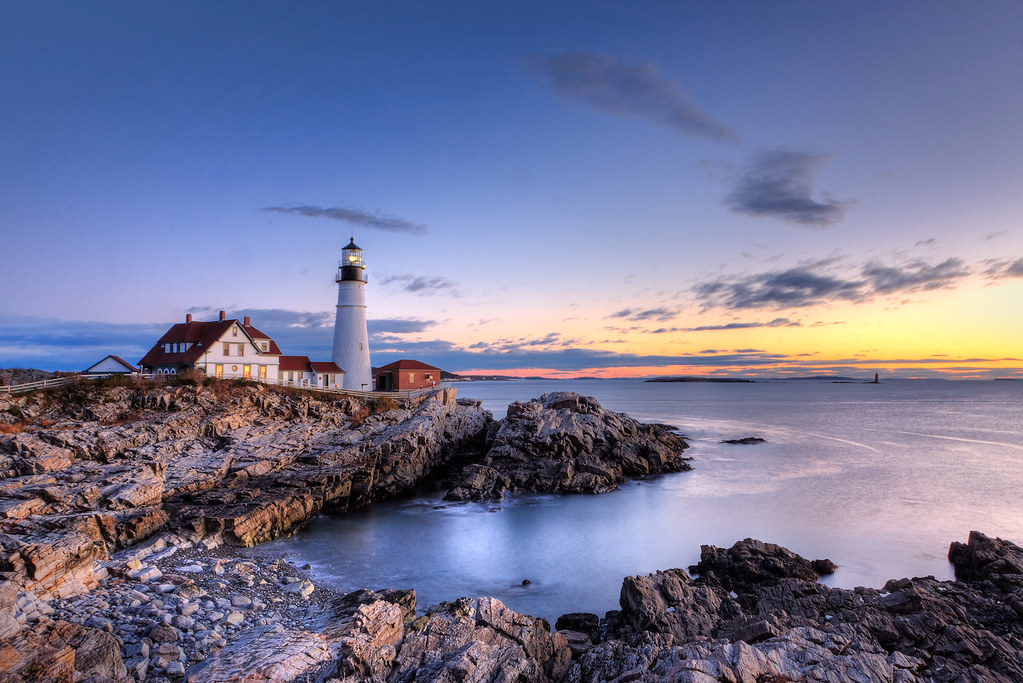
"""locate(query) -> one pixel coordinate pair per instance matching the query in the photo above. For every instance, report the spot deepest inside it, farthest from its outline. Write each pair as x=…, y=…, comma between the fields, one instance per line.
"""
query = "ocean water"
x=878, y=478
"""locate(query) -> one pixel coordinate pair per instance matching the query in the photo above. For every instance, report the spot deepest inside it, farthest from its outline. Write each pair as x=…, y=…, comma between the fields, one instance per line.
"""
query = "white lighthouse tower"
x=351, y=338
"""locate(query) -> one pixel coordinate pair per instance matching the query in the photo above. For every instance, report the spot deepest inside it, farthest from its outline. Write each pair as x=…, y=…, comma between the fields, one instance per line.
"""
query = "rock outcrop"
x=567, y=443
x=86, y=470
x=756, y=613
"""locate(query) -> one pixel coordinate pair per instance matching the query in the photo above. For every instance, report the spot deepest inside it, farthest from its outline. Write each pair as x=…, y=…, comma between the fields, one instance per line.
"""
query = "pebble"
x=165, y=623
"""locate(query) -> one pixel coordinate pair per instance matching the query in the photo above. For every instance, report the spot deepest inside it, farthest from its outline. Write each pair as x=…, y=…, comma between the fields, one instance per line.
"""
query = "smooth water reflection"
x=879, y=478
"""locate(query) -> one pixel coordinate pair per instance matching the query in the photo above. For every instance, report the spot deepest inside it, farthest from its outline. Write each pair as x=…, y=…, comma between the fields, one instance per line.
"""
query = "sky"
x=603, y=189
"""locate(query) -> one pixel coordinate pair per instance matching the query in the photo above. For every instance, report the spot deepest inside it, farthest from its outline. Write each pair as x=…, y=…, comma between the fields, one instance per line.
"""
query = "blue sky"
x=551, y=188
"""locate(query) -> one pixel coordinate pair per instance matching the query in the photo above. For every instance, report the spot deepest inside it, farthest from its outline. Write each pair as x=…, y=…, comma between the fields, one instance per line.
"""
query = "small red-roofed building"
x=403, y=375
x=299, y=371
x=111, y=365
x=221, y=348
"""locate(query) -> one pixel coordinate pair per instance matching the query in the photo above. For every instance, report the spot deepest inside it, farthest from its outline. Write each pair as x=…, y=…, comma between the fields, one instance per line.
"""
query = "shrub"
x=382, y=404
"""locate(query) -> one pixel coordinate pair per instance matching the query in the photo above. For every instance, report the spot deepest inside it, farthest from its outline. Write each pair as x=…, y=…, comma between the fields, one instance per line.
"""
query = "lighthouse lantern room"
x=351, y=337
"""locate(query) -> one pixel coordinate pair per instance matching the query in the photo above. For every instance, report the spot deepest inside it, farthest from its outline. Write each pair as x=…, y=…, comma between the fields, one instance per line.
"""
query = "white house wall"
x=108, y=365
x=233, y=365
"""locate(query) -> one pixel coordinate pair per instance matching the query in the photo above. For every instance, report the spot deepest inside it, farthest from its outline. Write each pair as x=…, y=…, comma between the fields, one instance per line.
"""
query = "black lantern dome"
x=351, y=267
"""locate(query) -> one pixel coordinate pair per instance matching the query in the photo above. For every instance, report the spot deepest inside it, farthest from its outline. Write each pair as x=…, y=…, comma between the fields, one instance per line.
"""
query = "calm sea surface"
x=878, y=478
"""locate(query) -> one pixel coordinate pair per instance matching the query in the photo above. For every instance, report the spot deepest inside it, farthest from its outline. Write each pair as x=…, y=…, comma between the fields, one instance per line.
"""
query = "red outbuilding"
x=402, y=375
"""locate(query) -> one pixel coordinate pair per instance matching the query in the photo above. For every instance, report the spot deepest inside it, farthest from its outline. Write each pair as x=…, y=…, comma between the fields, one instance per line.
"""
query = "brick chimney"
x=247, y=323
x=188, y=317
x=223, y=316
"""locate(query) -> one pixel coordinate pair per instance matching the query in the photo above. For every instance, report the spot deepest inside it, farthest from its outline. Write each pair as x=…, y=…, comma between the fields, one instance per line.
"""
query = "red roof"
x=325, y=366
x=259, y=336
x=405, y=364
x=294, y=363
x=120, y=360
x=202, y=336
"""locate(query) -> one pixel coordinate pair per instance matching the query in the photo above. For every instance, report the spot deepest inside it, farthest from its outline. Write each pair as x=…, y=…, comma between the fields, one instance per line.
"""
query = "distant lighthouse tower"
x=351, y=338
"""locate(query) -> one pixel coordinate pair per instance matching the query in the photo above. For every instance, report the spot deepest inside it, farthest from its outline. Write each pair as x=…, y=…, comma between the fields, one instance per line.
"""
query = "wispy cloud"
x=1001, y=269
x=399, y=325
x=914, y=277
x=627, y=88
x=812, y=283
x=269, y=317
x=779, y=184
x=422, y=285
x=777, y=322
x=659, y=314
x=357, y=217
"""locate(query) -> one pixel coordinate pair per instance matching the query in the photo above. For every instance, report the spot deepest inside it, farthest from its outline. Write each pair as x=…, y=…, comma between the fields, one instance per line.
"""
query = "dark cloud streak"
x=357, y=217
x=626, y=88
x=779, y=184
x=809, y=284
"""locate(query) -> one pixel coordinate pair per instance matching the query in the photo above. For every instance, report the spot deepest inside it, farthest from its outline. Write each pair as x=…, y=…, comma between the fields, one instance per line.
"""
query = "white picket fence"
x=400, y=396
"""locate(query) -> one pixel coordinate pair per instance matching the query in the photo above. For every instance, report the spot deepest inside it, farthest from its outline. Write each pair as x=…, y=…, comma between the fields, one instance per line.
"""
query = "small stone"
x=187, y=609
x=175, y=669
x=235, y=618
x=241, y=601
x=169, y=652
x=164, y=633
x=190, y=568
x=183, y=622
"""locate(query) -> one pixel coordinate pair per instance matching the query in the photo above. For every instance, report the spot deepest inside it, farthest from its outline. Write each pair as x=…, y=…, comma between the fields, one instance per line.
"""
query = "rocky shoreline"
x=130, y=518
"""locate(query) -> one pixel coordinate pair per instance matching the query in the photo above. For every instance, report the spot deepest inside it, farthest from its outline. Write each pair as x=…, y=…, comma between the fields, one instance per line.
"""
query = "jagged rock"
x=755, y=614
x=565, y=442
x=61, y=651
x=582, y=622
x=481, y=640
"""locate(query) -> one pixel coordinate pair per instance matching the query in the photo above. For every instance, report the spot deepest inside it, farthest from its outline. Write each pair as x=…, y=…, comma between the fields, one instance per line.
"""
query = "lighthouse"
x=351, y=338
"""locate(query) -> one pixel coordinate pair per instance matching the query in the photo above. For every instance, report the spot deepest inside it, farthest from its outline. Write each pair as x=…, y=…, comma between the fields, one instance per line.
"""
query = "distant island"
x=687, y=378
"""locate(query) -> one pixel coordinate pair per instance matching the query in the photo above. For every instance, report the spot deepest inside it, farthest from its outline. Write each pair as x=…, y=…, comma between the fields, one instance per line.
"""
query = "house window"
x=234, y=331
x=219, y=371
x=247, y=371
x=429, y=376
x=241, y=349
x=227, y=349
x=265, y=345
x=360, y=346
x=262, y=372
x=412, y=377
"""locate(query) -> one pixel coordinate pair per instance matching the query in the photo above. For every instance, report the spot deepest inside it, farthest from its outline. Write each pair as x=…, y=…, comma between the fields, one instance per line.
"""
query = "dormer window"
x=234, y=331
x=265, y=345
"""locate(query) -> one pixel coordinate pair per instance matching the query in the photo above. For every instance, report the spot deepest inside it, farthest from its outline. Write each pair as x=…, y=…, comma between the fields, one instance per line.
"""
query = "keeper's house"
x=222, y=348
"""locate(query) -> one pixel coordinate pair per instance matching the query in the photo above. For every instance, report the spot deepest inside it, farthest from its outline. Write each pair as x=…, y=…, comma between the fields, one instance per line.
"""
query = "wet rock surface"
x=564, y=442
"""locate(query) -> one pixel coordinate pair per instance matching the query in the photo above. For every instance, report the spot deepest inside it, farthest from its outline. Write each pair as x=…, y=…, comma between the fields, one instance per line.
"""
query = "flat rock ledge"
x=564, y=442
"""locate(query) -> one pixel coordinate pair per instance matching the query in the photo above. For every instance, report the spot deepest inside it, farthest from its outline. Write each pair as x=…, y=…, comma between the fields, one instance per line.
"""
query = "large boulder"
x=564, y=442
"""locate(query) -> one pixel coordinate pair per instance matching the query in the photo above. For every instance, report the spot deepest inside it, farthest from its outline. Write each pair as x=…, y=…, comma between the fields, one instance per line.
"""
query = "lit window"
x=266, y=346
x=360, y=346
x=412, y=377
x=219, y=372
x=262, y=372
x=234, y=331
x=247, y=371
